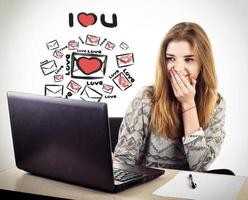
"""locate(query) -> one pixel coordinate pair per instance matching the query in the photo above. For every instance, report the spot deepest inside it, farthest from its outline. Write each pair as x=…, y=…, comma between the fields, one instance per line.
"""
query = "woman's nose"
x=179, y=67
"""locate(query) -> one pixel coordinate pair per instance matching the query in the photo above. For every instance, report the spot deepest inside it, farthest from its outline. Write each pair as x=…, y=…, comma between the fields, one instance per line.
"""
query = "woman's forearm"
x=190, y=119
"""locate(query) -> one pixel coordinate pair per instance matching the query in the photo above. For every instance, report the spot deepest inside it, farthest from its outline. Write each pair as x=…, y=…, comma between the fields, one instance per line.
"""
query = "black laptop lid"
x=63, y=139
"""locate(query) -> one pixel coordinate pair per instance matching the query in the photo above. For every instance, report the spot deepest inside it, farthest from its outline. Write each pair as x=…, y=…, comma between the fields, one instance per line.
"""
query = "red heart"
x=89, y=65
x=86, y=19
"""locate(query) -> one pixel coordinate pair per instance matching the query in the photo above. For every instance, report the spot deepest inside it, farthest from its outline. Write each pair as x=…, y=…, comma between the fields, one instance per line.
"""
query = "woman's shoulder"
x=220, y=101
x=220, y=107
x=142, y=101
x=146, y=92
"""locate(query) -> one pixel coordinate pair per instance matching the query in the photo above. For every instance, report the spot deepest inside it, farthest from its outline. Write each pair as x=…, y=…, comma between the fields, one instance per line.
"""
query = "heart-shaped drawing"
x=126, y=59
x=89, y=65
x=86, y=19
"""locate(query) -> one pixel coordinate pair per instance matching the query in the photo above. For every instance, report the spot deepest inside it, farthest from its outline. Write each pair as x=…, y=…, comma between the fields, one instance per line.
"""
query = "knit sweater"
x=195, y=152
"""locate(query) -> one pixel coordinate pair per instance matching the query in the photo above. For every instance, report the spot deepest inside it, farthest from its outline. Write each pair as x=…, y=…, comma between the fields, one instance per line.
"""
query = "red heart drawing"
x=89, y=65
x=86, y=19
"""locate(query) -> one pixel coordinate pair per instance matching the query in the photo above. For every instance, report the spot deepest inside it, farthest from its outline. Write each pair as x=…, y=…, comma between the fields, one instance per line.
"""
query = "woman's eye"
x=189, y=59
x=170, y=59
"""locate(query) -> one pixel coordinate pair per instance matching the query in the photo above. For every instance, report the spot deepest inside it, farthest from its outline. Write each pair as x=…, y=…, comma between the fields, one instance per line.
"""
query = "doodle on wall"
x=90, y=19
x=88, y=66
x=80, y=72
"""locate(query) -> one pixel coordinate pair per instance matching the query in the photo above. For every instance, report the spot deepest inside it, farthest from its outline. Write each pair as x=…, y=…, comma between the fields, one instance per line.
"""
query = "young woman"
x=178, y=122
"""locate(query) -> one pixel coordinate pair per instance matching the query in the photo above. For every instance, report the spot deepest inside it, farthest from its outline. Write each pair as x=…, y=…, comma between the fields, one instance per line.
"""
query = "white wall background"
x=26, y=25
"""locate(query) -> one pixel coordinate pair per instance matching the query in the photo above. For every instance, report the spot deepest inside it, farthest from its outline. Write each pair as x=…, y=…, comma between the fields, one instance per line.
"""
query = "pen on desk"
x=193, y=185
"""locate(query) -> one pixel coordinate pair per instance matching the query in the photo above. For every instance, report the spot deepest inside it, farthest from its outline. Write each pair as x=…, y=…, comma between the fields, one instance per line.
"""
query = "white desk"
x=18, y=180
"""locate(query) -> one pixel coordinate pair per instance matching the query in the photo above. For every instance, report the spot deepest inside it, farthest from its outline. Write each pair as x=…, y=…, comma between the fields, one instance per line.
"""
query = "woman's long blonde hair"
x=166, y=117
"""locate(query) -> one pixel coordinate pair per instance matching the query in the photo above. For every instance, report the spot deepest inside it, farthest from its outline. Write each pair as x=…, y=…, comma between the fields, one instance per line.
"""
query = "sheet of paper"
x=209, y=186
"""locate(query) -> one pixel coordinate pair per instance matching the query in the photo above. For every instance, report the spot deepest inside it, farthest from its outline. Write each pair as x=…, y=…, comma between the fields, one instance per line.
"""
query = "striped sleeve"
x=133, y=130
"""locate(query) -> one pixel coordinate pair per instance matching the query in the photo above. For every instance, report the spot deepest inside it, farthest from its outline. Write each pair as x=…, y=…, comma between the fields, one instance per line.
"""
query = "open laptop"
x=69, y=140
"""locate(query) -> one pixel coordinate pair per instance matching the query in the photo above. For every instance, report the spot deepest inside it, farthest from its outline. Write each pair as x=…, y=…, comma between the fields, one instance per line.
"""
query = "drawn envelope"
x=125, y=60
x=48, y=67
x=73, y=45
x=58, y=77
x=109, y=45
x=54, y=90
x=92, y=40
x=89, y=94
x=88, y=66
x=107, y=88
x=73, y=86
x=52, y=45
x=124, y=46
x=58, y=54
x=121, y=81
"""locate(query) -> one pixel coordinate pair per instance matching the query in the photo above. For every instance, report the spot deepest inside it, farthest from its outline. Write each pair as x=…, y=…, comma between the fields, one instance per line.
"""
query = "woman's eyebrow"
x=189, y=56
x=168, y=54
x=186, y=56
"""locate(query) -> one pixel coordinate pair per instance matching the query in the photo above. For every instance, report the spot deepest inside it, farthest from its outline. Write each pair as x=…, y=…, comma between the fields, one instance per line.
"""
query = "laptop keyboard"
x=124, y=175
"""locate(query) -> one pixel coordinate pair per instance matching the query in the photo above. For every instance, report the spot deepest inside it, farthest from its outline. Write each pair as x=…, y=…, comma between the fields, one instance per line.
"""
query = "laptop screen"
x=64, y=139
